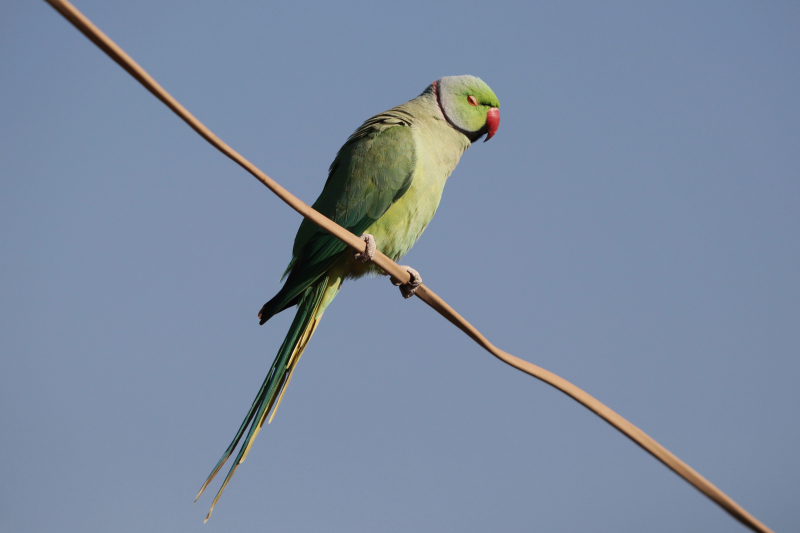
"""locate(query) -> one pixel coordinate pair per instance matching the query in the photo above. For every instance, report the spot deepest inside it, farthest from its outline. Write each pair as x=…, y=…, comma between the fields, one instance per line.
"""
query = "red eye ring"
x=471, y=100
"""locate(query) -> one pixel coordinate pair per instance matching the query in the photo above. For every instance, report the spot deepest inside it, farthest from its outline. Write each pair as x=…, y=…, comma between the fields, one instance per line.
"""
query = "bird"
x=384, y=184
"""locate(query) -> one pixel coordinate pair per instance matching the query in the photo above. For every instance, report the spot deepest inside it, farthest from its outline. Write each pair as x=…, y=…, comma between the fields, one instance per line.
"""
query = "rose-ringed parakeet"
x=384, y=184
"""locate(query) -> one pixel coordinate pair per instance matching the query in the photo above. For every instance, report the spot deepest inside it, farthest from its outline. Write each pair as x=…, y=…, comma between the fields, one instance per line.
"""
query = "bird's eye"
x=472, y=101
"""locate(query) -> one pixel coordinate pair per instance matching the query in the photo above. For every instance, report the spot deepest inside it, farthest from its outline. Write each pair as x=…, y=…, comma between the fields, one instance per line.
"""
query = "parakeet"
x=384, y=184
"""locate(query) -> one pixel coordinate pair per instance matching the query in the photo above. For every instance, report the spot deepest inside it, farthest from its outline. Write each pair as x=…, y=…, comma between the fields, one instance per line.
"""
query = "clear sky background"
x=634, y=227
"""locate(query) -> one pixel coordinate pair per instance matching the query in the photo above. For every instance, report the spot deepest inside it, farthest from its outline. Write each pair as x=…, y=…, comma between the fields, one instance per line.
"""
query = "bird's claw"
x=409, y=288
x=369, y=252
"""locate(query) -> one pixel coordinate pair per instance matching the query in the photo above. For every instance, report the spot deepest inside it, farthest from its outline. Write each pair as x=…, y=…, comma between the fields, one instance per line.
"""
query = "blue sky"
x=633, y=227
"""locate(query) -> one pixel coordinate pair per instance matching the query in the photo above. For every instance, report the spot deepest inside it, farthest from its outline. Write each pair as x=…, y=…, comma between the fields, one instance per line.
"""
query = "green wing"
x=372, y=170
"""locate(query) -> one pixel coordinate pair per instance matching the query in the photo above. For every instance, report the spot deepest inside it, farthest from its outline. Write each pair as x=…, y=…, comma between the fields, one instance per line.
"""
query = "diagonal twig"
x=424, y=293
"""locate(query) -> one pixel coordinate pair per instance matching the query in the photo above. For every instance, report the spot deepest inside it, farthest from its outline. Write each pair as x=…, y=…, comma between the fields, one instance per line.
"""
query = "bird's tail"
x=305, y=322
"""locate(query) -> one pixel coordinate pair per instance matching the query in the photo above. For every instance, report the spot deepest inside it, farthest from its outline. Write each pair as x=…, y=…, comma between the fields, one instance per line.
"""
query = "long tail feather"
x=301, y=346
x=274, y=386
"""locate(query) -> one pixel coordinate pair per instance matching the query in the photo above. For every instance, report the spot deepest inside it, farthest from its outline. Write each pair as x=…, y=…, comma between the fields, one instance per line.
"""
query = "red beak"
x=492, y=122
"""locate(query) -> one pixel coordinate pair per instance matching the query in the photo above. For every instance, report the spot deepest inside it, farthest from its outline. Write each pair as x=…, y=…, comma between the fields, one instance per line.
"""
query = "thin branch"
x=424, y=293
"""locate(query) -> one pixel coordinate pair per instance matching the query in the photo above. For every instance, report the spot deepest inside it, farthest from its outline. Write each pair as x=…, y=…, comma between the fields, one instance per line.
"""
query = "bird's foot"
x=408, y=289
x=369, y=252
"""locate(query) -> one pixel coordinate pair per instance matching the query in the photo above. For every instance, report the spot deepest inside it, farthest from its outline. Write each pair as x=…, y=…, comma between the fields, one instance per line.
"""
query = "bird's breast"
x=438, y=149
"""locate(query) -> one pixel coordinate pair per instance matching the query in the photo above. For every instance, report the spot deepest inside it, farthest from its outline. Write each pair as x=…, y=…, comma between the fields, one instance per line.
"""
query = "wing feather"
x=373, y=169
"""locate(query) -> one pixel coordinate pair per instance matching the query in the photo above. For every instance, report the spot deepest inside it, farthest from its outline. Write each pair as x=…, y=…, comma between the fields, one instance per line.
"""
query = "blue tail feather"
x=273, y=384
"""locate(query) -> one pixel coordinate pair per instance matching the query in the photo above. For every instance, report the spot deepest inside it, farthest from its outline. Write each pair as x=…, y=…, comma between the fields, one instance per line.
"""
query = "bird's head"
x=469, y=105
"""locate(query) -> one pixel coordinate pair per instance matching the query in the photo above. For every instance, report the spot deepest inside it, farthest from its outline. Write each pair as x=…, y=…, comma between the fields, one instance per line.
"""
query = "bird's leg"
x=369, y=252
x=408, y=289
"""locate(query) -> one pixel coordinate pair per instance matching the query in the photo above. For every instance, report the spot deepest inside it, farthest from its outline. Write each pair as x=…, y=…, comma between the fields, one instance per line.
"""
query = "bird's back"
x=406, y=153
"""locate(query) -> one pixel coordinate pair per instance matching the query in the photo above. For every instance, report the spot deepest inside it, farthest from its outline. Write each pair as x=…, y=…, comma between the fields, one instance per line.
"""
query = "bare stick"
x=424, y=293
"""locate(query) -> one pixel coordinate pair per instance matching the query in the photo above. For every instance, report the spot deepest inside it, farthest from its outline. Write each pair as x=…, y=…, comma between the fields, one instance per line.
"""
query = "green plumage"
x=386, y=180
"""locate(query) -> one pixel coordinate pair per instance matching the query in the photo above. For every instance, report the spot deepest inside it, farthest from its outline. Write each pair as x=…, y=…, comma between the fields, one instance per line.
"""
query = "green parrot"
x=385, y=185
